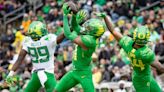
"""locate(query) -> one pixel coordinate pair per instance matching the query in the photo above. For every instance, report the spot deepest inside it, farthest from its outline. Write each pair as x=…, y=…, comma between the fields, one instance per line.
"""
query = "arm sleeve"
x=75, y=26
x=70, y=35
x=150, y=57
x=88, y=41
x=24, y=44
x=53, y=39
x=125, y=42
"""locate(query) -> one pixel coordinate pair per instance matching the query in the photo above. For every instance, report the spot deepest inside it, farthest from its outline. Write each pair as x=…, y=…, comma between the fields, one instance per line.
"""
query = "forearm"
x=21, y=56
x=67, y=31
x=110, y=27
x=156, y=64
x=109, y=24
x=14, y=68
x=75, y=26
x=60, y=38
x=16, y=65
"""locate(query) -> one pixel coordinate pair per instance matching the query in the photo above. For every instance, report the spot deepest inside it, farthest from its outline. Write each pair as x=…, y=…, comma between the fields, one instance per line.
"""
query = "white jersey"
x=41, y=52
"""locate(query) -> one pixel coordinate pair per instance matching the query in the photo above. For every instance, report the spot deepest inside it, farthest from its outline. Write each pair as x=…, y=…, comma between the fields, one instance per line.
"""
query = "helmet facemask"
x=141, y=35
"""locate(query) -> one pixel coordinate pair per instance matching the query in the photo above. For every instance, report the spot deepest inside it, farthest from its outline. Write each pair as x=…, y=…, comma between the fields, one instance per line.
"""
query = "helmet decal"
x=100, y=30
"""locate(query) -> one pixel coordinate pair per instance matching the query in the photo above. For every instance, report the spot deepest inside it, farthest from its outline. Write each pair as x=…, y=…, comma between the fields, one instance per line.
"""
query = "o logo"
x=141, y=36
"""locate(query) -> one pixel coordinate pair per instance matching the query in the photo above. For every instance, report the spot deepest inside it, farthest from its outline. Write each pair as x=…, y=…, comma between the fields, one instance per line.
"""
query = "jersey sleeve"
x=24, y=43
x=125, y=43
x=149, y=56
x=53, y=39
x=88, y=41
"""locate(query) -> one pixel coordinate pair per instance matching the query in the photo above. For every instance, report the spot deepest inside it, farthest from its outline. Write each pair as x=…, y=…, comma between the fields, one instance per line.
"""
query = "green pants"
x=146, y=84
x=34, y=84
x=74, y=77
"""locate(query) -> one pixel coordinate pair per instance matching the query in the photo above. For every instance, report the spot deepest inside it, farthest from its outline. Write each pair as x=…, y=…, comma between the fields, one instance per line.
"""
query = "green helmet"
x=94, y=27
x=37, y=30
x=141, y=35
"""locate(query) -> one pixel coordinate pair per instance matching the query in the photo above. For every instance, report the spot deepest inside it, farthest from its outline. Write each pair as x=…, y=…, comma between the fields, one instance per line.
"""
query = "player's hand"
x=102, y=15
x=11, y=80
x=66, y=9
x=81, y=16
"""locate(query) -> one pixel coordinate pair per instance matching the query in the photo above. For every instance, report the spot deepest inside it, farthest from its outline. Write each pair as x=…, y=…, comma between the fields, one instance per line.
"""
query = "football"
x=73, y=7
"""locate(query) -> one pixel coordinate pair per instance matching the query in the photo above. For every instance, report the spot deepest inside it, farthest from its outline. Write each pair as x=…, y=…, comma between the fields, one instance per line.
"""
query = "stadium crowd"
x=110, y=63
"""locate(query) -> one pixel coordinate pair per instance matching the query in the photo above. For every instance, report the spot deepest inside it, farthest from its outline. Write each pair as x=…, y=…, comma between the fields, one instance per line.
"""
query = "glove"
x=81, y=16
x=11, y=80
x=102, y=15
x=66, y=9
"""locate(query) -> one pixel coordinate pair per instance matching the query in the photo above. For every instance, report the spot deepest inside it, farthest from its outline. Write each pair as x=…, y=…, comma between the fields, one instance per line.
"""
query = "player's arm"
x=11, y=79
x=71, y=35
x=77, y=19
x=60, y=38
x=75, y=26
x=110, y=27
x=156, y=64
x=21, y=57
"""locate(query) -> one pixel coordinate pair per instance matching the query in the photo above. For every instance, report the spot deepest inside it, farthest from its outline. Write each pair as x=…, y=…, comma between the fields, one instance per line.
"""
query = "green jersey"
x=140, y=58
x=82, y=58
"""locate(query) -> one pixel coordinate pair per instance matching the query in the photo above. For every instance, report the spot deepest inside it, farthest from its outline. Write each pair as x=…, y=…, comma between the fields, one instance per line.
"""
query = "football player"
x=40, y=45
x=86, y=40
x=141, y=56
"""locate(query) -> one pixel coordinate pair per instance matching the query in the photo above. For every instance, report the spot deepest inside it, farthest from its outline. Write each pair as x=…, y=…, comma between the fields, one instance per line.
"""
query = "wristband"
x=11, y=73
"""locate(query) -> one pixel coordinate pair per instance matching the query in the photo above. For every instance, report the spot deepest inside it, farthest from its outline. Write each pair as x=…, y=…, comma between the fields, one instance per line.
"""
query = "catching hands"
x=66, y=9
x=11, y=79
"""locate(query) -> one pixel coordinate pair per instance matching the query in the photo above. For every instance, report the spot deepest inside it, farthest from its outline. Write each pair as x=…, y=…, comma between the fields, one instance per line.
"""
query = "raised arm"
x=75, y=26
x=11, y=79
x=71, y=35
x=110, y=27
x=21, y=57
x=156, y=64
x=77, y=20
x=60, y=38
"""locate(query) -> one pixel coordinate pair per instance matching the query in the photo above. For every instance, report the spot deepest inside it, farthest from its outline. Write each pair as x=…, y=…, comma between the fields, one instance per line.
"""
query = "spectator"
x=121, y=86
x=69, y=55
x=26, y=22
x=97, y=75
x=46, y=8
x=117, y=74
x=103, y=54
x=18, y=39
x=159, y=50
x=40, y=16
x=119, y=63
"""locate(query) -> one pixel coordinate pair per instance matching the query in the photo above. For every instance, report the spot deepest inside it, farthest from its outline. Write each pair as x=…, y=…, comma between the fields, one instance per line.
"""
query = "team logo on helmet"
x=37, y=30
x=141, y=35
x=94, y=27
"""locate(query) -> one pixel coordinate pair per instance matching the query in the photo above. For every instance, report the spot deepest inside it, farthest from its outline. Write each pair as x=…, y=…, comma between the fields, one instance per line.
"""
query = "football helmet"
x=37, y=30
x=94, y=27
x=141, y=35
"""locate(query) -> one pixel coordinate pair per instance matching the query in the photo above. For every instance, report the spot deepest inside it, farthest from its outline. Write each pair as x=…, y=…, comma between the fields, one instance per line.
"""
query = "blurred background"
x=110, y=66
